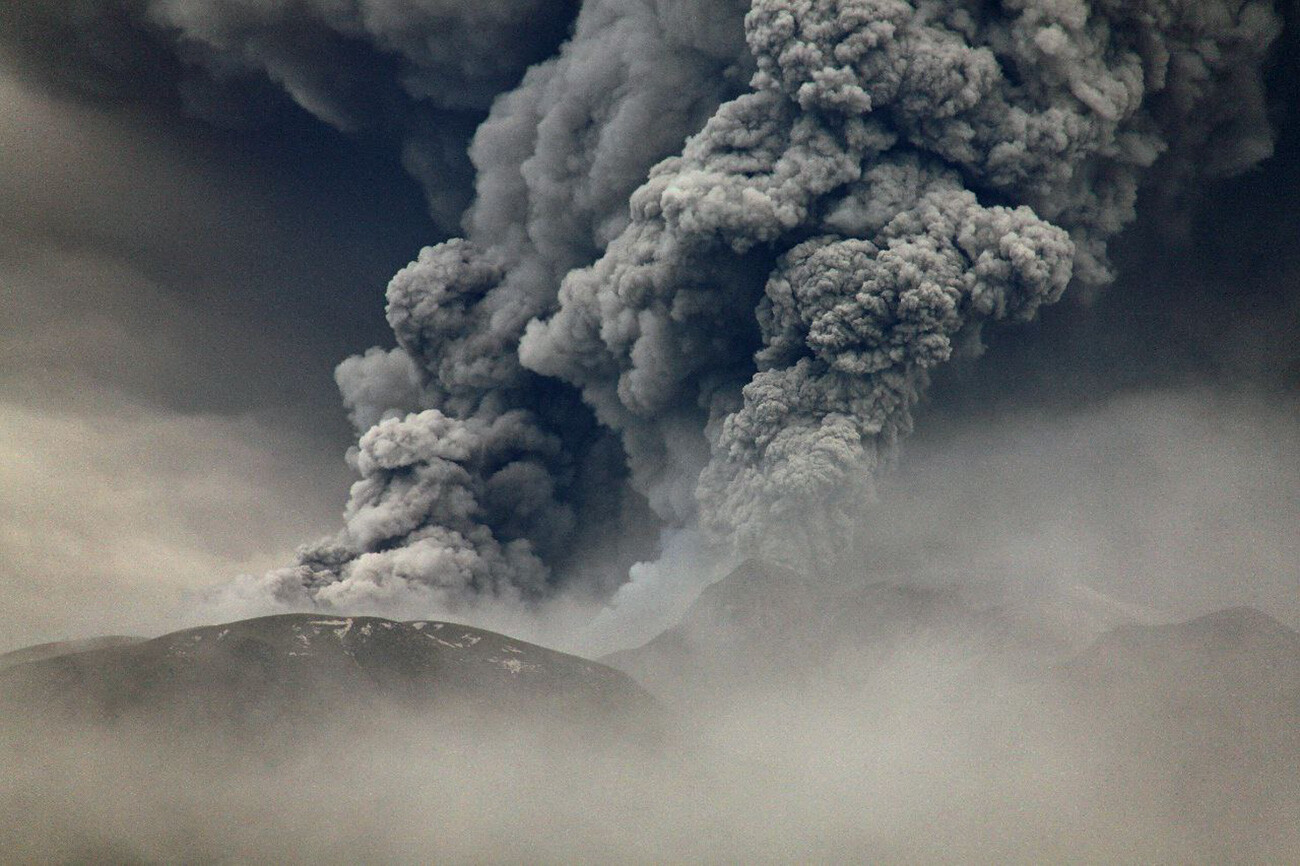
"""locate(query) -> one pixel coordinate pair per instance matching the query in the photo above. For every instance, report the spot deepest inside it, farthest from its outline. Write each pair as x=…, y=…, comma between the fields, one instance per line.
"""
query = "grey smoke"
x=714, y=252
x=907, y=258
x=557, y=159
x=756, y=321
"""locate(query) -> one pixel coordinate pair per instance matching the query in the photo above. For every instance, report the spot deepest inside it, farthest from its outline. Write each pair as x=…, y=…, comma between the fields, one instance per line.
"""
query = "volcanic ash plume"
x=722, y=303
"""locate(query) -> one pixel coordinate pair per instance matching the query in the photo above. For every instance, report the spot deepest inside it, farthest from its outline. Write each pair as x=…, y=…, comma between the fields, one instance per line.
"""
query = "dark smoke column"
x=921, y=169
x=750, y=328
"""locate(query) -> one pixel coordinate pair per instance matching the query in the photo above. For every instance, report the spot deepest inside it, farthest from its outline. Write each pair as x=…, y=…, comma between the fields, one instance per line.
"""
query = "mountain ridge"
x=279, y=666
x=764, y=617
x=54, y=649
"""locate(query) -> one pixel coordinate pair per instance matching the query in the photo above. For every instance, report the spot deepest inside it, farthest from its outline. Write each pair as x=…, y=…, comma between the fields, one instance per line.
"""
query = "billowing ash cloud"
x=722, y=302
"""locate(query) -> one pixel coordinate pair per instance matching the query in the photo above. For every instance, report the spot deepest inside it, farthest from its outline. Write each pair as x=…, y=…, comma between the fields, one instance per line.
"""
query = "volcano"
x=292, y=668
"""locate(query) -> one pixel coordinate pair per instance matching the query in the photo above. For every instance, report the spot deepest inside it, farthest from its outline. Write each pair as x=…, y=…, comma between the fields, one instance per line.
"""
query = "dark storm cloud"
x=424, y=73
x=215, y=230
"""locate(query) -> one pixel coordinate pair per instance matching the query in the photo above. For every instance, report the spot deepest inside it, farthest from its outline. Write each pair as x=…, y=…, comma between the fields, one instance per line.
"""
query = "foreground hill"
x=298, y=666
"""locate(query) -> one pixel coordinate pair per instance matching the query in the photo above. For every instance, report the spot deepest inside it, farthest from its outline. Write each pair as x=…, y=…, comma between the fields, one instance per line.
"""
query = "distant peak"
x=1244, y=615
x=1240, y=621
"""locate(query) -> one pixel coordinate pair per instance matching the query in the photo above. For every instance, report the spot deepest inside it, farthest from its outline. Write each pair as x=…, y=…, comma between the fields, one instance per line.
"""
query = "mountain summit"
x=301, y=666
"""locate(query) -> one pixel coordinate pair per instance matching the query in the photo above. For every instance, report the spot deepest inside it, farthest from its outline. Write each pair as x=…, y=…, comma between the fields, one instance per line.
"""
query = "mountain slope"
x=1230, y=680
x=766, y=622
x=301, y=666
x=1135, y=741
x=65, y=647
x=1203, y=717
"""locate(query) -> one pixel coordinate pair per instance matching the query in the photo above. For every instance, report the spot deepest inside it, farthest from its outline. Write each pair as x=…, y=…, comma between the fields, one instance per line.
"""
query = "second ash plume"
x=715, y=251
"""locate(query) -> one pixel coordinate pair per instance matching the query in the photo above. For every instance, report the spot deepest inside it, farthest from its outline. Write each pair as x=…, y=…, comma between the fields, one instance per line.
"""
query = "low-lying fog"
x=933, y=755
x=925, y=749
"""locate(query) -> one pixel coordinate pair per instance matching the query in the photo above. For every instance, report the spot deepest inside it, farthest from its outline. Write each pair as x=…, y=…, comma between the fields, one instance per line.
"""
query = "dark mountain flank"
x=296, y=668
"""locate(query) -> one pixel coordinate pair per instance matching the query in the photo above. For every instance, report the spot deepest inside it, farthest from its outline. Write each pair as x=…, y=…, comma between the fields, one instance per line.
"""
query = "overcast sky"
x=175, y=293
x=173, y=300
